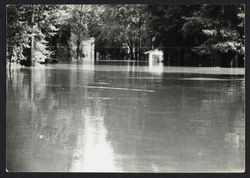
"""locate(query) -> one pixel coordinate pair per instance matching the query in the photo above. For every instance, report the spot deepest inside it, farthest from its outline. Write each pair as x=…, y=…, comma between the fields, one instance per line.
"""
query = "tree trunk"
x=79, y=34
x=78, y=50
x=10, y=58
x=166, y=59
x=136, y=51
x=131, y=53
x=236, y=64
x=31, y=51
x=139, y=45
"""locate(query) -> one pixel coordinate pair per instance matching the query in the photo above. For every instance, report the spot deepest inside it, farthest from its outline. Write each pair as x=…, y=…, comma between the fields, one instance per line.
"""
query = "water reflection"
x=129, y=119
x=93, y=153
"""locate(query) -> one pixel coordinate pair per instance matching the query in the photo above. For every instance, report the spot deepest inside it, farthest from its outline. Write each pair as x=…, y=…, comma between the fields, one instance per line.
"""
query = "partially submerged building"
x=155, y=60
x=88, y=49
x=154, y=57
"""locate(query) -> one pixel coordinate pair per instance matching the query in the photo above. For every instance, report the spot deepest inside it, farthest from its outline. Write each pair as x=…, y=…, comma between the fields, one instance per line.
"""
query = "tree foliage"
x=222, y=28
x=27, y=21
x=123, y=29
x=119, y=28
x=205, y=29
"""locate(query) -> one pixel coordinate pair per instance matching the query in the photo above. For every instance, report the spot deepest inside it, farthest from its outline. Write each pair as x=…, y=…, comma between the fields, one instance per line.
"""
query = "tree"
x=217, y=29
x=29, y=27
x=166, y=23
x=119, y=28
x=78, y=26
x=204, y=29
x=17, y=33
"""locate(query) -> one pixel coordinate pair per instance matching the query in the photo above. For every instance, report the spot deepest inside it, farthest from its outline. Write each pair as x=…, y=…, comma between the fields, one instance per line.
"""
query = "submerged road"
x=109, y=118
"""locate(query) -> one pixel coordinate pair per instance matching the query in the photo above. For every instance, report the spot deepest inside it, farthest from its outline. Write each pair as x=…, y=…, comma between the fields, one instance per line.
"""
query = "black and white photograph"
x=125, y=88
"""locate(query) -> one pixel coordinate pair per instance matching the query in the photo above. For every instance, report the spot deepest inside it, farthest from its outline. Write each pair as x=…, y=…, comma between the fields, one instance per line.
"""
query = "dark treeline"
x=189, y=35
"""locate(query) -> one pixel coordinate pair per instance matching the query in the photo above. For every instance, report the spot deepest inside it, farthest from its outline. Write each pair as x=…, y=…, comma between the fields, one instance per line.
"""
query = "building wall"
x=88, y=49
x=155, y=57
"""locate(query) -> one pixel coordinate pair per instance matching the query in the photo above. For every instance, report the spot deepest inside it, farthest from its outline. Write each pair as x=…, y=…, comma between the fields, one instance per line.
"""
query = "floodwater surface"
x=123, y=118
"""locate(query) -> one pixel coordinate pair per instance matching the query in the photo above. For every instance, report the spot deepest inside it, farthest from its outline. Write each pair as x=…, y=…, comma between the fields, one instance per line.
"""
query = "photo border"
x=5, y=174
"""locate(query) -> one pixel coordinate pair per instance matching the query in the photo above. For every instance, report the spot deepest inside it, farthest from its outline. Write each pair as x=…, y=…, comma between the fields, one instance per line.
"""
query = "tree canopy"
x=124, y=31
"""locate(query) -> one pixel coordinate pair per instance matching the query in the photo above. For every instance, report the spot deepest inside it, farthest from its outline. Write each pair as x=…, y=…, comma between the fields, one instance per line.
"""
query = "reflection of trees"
x=52, y=119
x=43, y=119
x=93, y=153
x=30, y=133
x=180, y=127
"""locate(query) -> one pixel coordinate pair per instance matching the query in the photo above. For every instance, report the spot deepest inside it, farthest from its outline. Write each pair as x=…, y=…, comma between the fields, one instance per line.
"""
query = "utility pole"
x=32, y=37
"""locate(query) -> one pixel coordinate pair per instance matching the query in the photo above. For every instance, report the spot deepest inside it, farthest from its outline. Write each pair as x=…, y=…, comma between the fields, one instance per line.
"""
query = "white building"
x=88, y=49
x=155, y=57
x=155, y=60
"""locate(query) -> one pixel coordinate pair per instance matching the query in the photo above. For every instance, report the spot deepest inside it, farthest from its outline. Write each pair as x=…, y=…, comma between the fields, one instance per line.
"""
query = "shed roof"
x=153, y=51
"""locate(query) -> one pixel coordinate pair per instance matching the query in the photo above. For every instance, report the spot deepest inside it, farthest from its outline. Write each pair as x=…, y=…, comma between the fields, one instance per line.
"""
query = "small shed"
x=155, y=57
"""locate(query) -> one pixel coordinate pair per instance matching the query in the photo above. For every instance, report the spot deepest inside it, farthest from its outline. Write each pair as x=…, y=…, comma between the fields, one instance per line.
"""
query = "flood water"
x=123, y=118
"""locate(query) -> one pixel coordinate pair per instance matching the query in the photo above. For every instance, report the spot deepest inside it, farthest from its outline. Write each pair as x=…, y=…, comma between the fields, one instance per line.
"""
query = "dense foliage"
x=119, y=30
x=222, y=26
x=27, y=22
x=184, y=32
x=204, y=29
